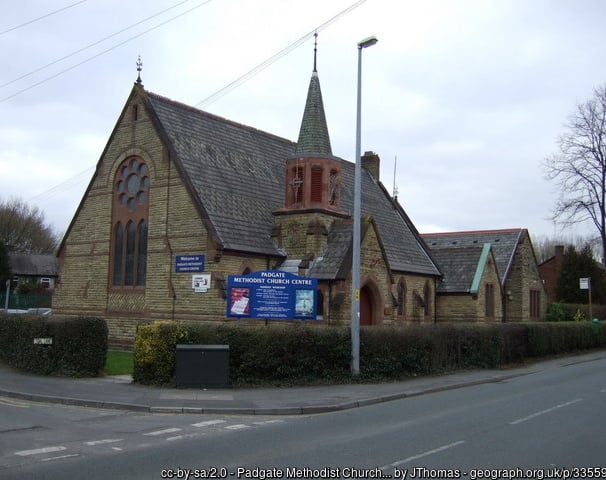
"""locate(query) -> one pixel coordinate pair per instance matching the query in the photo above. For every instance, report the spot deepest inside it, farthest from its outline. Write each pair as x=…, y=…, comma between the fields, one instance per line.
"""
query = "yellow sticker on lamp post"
x=357, y=295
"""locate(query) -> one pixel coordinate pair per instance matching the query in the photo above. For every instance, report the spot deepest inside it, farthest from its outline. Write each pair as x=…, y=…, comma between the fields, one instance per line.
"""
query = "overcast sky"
x=469, y=95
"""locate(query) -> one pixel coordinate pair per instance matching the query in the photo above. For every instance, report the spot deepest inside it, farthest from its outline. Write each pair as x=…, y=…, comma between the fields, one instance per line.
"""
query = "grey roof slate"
x=33, y=265
x=336, y=260
x=237, y=174
x=503, y=243
x=458, y=265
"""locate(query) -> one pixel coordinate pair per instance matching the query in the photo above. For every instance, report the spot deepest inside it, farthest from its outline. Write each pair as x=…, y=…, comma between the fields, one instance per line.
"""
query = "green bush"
x=557, y=312
x=79, y=345
x=565, y=312
x=306, y=354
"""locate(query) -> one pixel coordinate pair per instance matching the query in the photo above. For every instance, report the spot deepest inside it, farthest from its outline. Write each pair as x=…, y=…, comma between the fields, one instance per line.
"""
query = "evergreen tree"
x=5, y=268
x=577, y=265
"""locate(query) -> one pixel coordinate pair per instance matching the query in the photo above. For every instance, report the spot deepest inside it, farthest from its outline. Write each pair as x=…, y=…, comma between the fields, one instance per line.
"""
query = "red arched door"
x=366, y=307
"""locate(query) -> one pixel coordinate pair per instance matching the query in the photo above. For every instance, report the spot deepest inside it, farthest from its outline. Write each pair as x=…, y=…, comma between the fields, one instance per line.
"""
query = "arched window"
x=427, y=299
x=118, y=254
x=489, y=302
x=320, y=306
x=401, y=298
x=130, y=209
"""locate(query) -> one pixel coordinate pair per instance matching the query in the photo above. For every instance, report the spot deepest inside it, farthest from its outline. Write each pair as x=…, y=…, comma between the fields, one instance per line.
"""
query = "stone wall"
x=523, y=277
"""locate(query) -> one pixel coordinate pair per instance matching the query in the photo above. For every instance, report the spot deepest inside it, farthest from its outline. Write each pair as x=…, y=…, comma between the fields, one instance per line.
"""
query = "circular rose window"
x=132, y=184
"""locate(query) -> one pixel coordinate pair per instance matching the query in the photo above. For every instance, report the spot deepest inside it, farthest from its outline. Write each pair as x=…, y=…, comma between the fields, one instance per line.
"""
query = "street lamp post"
x=355, y=275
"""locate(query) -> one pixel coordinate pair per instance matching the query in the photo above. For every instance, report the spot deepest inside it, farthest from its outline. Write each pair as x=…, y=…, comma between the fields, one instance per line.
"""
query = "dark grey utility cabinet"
x=202, y=366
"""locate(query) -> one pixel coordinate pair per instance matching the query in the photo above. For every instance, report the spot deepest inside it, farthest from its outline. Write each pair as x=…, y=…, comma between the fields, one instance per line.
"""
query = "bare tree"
x=23, y=228
x=545, y=246
x=579, y=167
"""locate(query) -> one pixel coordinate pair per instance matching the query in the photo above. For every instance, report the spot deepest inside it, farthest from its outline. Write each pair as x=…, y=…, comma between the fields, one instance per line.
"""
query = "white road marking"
x=59, y=458
x=38, y=451
x=268, y=422
x=117, y=449
x=543, y=412
x=162, y=432
x=101, y=442
x=421, y=455
x=181, y=437
x=207, y=423
x=238, y=426
x=13, y=403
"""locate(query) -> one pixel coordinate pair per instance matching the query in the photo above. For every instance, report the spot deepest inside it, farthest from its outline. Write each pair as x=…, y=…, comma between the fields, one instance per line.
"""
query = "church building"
x=175, y=182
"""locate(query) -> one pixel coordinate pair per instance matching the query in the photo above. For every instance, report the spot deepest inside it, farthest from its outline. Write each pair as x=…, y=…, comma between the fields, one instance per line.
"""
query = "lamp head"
x=367, y=42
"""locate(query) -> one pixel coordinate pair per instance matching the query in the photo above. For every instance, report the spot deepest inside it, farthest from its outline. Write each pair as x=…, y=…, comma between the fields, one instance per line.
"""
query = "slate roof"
x=458, y=265
x=236, y=174
x=336, y=259
x=503, y=243
x=33, y=265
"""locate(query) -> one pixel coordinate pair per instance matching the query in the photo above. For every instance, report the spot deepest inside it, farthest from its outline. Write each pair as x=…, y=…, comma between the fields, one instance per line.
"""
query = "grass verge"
x=118, y=363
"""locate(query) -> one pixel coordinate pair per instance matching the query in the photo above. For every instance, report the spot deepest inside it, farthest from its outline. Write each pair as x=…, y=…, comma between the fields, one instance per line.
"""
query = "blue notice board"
x=189, y=263
x=271, y=294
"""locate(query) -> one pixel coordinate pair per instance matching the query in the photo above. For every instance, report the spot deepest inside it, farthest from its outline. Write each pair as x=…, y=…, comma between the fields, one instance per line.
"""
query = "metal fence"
x=23, y=302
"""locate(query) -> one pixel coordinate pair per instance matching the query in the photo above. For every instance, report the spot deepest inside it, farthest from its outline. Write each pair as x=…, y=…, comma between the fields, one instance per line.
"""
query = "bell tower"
x=312, y=182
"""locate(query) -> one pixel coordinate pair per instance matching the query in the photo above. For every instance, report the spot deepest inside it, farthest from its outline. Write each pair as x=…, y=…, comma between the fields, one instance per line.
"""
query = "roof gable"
x=504, y=244
x=335, y=262
x=458, y=267
x=463, y=268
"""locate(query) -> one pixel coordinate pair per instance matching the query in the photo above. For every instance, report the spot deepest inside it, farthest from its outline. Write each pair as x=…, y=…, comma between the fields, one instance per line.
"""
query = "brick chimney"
x=559, y=258
x=372, y=163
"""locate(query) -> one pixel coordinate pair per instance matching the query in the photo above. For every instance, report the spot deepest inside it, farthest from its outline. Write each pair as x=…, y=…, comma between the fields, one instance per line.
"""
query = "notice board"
x=271, y=294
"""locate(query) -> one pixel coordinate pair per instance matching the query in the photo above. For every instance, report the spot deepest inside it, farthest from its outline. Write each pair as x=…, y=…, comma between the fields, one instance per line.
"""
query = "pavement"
x=119, y=392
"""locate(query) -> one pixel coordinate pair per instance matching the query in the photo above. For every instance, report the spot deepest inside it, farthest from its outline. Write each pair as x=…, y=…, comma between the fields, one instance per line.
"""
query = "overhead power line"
x=262, y=66
x=68, y=69
x=220, y=93
x=80, y=50
x=65, y=185
x=29, y=22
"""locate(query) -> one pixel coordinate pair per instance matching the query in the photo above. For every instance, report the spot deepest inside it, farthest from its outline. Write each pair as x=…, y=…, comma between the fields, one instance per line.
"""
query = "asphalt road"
x=549, y=421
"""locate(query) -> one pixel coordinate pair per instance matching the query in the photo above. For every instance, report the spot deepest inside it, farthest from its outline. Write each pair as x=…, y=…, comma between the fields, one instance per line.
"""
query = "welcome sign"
x=271, y=294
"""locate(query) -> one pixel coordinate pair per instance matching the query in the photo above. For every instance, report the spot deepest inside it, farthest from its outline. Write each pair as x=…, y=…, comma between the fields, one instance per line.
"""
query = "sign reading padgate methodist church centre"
x=271, y=294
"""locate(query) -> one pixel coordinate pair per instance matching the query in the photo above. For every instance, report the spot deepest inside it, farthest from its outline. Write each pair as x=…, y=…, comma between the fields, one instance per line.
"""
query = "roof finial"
x=139, y=68
x=315, y=49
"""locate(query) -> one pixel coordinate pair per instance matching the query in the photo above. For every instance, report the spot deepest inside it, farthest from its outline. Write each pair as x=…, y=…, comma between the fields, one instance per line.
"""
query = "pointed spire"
x=313, y=135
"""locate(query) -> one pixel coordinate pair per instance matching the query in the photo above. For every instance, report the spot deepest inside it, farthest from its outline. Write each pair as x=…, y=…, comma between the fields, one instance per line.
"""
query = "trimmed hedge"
x=304, y=354
x=79, y=345
x=258, y=355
